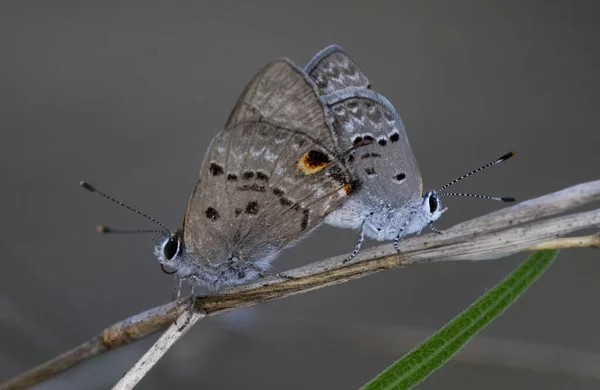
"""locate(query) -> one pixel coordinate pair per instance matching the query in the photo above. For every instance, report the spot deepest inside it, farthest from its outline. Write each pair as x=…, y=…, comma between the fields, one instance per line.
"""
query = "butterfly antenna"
x=503, y=199
x=106, y=229
x=103, y=229
x=497, y=161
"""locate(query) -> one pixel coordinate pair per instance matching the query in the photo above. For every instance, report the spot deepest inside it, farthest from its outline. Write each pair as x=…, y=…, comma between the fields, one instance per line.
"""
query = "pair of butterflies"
x=301, y=147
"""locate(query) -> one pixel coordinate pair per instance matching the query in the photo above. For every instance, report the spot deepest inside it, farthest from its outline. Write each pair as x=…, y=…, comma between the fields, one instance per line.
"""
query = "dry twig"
x=499, y=234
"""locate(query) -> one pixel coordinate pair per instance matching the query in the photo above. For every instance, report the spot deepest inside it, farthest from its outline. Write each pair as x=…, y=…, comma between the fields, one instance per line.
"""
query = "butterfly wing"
x=269, y=178
x=284, y=96
x=387, y=167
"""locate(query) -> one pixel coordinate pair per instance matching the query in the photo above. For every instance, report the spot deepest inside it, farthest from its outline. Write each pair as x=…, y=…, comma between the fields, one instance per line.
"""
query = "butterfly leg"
x=277, y=275
x=397, y=239
x=190, y=306
x=284, y=276
x=177, y=286
x=433, y=228
x=359, y=243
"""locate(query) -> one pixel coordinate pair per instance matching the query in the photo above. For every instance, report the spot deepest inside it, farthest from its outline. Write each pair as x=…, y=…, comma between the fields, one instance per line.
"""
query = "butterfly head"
x=431, y=207
x=169, y=249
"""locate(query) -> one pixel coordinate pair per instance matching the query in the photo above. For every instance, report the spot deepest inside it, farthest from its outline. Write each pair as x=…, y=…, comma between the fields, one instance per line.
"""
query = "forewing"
x=261, y=194
x=387, y=166
x=283, y=95
x=271, y=176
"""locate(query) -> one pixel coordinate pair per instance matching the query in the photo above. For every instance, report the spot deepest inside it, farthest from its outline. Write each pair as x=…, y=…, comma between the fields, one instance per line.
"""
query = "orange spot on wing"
x=348, y=188
x=312, y=162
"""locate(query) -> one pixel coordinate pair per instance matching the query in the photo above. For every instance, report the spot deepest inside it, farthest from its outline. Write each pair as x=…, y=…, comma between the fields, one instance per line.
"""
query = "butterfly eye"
x=171, y=248
x=433, y=203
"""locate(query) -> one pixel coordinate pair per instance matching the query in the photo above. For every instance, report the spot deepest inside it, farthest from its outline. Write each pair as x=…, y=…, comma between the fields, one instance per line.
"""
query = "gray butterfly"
x=268, y=179
x=390, y=203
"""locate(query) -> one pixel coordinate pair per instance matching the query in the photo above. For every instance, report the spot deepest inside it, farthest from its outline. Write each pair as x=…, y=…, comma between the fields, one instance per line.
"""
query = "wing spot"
x=394, y=137
x=278, y=191
x=285, y=202
x=305, y=219
x=369, y=155
x=357, y=140
x=232, y=177
x=369, y=138
x=262, y=176
x=382, y=142
x=212, y=214
x=399, y=177
x=313, y=161
x=252, y=207
x=247, y=175
x=370, y=171
x=238, y=212
x=215, y=169
x=252, y=187
x=352, y=187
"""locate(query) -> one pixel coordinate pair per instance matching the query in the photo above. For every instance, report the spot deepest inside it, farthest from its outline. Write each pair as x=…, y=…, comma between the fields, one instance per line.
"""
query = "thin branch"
x=156, y=352
x=492, y=236
x=591, y=241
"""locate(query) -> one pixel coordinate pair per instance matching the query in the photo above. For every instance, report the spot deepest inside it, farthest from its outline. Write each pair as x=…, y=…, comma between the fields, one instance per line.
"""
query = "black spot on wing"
x=305, y=219
x=315, y=158
x=232, y=177
x=262, y=176
x=370, y=155
x=252, y=208
x=399, y=176
x=370, y=171
x=247, y=175
x=252, y=187
x=285, y=202
x=382, y=142
x=353, y=186
x=212, y=214
x=215, y=169
x=394, y=137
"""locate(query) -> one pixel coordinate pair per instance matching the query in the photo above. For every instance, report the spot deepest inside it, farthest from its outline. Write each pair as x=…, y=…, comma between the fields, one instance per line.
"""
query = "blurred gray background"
x=128, y=95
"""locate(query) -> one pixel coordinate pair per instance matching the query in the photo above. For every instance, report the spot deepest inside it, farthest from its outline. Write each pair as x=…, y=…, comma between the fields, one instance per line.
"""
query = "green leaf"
x=434, y=352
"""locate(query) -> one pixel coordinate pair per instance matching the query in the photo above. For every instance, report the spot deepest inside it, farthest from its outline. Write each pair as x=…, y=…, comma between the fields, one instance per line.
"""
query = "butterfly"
x=268, y=179
x=390, y=203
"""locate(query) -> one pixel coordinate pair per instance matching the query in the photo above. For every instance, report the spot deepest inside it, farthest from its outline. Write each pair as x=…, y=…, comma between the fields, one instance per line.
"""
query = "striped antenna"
x=103, y=229
x=106, y=229
x=497, y=161
x=507, y=199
